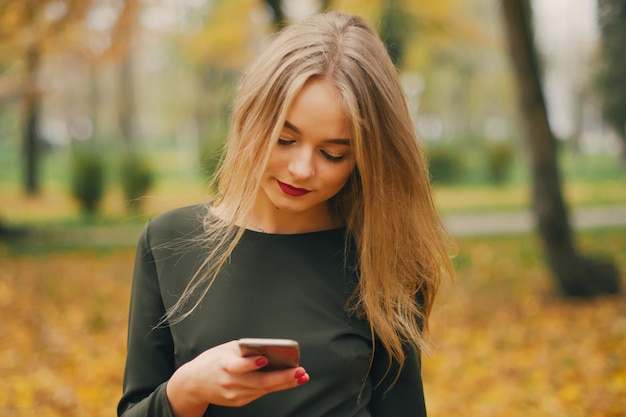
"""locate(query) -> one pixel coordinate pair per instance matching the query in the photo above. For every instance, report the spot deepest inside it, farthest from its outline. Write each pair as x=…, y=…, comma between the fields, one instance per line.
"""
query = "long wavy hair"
x=386, y=205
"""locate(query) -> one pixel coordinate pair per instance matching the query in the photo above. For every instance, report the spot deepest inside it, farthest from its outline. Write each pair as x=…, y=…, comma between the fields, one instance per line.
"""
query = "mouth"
x=292, y=191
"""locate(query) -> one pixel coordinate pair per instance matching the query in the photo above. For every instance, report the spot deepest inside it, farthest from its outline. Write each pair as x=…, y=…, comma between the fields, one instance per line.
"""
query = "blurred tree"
x=396, y=26
x=575, y=274
x=32, y=29
x=278, y=16
x=26, y=28
x=137, y=177
x=127, y=102
x=612, y=74
x=88, y=178
x=279, y=19
x=32, y=115
x=217, y=42
x=455, y=47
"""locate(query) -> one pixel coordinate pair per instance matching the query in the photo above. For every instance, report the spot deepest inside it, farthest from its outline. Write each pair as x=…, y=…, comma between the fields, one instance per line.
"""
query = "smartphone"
x=280, y=353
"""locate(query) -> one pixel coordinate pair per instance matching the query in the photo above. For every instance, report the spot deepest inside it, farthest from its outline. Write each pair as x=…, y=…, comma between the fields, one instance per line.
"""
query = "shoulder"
x=183, y=222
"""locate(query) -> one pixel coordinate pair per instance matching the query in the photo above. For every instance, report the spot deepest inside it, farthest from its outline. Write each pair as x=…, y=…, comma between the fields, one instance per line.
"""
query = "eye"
x=284, y=142
x=333, y=158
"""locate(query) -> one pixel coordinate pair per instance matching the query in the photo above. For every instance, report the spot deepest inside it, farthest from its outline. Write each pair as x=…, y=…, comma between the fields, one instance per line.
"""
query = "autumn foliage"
x=63, y=332
x=506, y=345
x=509, y=346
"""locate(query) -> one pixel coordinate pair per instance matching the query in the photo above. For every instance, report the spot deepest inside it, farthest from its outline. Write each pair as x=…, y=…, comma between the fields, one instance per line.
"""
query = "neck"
x=274, y=220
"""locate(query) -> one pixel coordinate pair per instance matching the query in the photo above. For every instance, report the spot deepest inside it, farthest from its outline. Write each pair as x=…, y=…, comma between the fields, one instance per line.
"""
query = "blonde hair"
x=386, y=205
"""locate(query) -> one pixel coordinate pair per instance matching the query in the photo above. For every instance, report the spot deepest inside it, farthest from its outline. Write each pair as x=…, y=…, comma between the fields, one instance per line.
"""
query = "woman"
x=322, y=230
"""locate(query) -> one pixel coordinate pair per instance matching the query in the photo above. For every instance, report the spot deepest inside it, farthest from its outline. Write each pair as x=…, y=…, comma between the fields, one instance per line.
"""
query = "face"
x=312, y=159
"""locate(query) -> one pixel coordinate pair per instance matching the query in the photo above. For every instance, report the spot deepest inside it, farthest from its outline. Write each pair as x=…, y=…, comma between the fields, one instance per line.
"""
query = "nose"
x=301, y=164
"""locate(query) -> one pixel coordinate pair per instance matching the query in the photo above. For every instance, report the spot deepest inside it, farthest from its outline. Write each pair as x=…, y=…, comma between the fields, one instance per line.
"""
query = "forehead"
x=318, y=108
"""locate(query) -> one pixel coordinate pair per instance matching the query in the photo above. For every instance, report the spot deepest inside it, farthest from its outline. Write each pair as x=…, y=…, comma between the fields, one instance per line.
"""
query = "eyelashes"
x=333, y=158
x=328, y=156
x=285, y=142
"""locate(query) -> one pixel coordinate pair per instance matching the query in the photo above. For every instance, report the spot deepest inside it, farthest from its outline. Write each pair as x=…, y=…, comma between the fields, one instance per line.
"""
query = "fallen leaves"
x=508, y=346
x=62, y=337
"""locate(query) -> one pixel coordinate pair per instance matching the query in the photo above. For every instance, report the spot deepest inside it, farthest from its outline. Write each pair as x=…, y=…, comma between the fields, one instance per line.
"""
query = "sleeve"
x=150, y=356
x=405, y=397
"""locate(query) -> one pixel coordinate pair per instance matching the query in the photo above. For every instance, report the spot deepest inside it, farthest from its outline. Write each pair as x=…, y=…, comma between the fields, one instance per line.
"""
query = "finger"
x=244, y=388
x=276, y=380
x=240, y=365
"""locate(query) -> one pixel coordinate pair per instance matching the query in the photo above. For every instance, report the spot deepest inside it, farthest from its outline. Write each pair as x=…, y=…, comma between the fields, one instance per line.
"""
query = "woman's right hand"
x=221, y=376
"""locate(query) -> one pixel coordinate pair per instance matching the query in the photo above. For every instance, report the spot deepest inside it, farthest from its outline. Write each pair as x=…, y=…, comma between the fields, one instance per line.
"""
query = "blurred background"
x=112, y=111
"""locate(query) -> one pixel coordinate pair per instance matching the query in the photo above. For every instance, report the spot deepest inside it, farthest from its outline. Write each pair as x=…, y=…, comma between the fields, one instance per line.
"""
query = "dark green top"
x=286, y=286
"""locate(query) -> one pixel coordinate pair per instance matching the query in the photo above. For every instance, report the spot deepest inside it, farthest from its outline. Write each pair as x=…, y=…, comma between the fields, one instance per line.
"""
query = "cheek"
x=277, y=160
x=340, y=177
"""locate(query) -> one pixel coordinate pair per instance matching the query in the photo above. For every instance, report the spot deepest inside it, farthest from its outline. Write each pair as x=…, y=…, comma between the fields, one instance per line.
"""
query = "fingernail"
x=262, y=361
x=303, y=380
x=300, y=373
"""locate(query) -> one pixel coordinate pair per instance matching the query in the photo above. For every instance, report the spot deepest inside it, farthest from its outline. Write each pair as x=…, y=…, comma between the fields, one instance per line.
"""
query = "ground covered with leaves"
x=506, y=344
x=62, y=337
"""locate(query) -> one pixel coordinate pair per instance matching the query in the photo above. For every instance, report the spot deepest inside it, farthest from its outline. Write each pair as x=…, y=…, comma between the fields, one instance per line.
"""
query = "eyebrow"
x=290, y=126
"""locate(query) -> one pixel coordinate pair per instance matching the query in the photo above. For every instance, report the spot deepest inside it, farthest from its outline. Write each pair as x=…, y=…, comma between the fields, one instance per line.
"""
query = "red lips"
x=292, y=191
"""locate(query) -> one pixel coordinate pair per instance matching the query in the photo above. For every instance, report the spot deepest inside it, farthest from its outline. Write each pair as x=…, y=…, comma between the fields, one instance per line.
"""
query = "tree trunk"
x=32, y=111
x=126, y=104
x=622, y=138
x=94, y=100
x=575, y=275
x=395, y=28
x=278, y=16
x=279, y=20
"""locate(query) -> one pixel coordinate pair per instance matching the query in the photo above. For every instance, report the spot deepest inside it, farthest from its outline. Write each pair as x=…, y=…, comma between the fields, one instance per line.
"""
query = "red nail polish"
x=299, y=373
x=262, y=361
x=303, y=380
